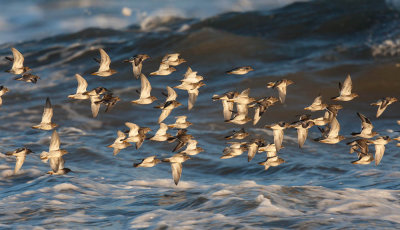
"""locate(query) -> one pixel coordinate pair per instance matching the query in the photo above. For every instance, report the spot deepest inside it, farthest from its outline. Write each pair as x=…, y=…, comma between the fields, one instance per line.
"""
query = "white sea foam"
x=65, y=186
x=223, y=192
x=77, y=217
x=63, y=197
x=386, y=48
x=154, y=20
x=183, y=219
x=163, y=183
x=267, y=208
x=56, y=202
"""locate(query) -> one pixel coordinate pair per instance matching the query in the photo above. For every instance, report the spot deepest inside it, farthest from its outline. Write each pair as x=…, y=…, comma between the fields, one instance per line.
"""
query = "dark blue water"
x=315, y=44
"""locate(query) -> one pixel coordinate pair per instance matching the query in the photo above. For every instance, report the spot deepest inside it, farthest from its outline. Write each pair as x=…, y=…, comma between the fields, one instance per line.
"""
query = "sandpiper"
x=148, y=162
x=169, y=104
x=137, y=64
x=20, y=154
x=191, y=148
x=104, y=69
x=161, y=134
x=28, y=77
x=226, y=104
x=379, y=143
x=238, y=135
x=345, y=91
x=240, y=70
x=18, y=63
x=46, y=123
x=272, y=158
x=176, y=165
x=54, y=156
x=366, y=128
x=278, y=133
x=317, y=105
x=361, y=147
x=3, y=90
x=383, y=104
x=145, y=97
x=281, y=86
x=261, y=106
x=119, y=143
x=235, y=149
x=81, y=89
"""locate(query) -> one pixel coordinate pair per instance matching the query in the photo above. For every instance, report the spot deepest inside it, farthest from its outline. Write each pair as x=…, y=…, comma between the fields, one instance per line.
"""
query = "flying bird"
x=20, y=154
x=191, y=148
x=180, y=123
x=235, y=149
x=361, y=147
x=226, y=104
x=148, y=162
x=109, y=100
x=28, y=77
x=119, y=143
x=161, y=134
x=182, y=137
x=272, y=158
x=163, y=70
x=169, y=105
x=238, y=135
x=240, y=70
x=46, y=123
x=193, y=91
x=278, y=133
x=145, y=97
x=317, y=105
x=253, y=146
x=345, y=93
x=94, y=96
x=261, y=106
x=104, y=69
x=366, y=128
x=172, y=59
x=383, y=104
x=136, y=134
x=302, y=127
x=54, y=156
x=191, y=76
x=379, y=143
x=137, y=64
x=3, y=90
x=331, y=135
x=18, y=63
x=176, y=165
x=81, y=89
x=281, y=86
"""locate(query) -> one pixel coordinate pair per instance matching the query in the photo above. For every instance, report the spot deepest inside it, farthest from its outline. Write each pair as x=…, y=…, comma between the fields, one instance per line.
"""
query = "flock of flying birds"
x=230, y=100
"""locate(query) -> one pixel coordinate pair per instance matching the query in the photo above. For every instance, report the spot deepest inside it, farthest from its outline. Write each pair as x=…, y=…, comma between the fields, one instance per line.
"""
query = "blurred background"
x=26, y=20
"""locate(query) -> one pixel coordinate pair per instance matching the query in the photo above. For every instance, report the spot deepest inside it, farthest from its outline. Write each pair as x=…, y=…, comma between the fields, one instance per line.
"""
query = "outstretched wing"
x=18, y=59
x=192, y=97
x=48, y=112
x=19, y=163
x=379, y=151
x=347, y=86
x=171, y=94
x=54, y=142
x=176, y=172
x=105, y=61
x=146, y=87
x=82, y=84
